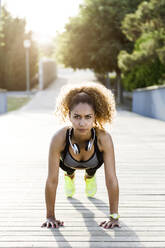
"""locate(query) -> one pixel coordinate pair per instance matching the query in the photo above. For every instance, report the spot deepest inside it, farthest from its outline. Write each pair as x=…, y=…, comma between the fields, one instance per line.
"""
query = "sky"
x=44, y=17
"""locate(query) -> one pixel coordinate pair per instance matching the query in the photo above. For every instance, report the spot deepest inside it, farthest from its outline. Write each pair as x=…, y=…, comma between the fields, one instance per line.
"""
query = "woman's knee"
x=69, y=171
x=90, y=172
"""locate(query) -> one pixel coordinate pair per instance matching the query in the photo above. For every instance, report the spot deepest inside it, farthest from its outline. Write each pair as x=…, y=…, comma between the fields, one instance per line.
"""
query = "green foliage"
x=144, y=75
x=47, y=50
x=14, y=103
x=146, y=27
x=93, y=39
x=1, y=34
x=12, y=53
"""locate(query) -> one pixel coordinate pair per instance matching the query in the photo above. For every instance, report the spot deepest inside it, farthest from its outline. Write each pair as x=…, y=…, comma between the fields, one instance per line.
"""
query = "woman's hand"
x=52, y=222
x=110, y=223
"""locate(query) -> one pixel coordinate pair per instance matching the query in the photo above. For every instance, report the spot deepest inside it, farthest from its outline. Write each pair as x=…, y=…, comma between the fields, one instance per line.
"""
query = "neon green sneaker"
x=91, y=186
x=69, y=185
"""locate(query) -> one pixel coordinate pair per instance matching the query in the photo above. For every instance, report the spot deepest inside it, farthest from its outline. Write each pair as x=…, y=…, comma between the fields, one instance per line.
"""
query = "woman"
x=85, y=144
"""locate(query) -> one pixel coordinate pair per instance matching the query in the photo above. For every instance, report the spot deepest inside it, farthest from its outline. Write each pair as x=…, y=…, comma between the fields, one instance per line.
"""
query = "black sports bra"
x=92, y=162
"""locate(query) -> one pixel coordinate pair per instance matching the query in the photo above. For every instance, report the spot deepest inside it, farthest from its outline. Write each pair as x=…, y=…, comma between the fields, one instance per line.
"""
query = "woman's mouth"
x=82, y=130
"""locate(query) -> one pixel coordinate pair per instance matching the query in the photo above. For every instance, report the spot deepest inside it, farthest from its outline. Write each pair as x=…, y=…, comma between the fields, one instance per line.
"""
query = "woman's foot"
x=91, y=186
x=69, y=185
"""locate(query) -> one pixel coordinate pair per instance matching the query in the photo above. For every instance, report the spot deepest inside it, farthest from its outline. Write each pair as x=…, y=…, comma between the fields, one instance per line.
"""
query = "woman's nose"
x=82, y=123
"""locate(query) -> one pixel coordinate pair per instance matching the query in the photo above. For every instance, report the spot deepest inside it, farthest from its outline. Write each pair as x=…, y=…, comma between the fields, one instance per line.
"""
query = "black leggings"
x=70, y=171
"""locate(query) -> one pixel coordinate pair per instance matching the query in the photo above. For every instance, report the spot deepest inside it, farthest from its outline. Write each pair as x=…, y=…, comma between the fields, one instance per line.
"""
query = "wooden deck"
x=140, y=164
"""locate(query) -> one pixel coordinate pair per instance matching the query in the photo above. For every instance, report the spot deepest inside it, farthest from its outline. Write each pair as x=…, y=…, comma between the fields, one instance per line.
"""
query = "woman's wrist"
x=50, y=216
x=114, y=216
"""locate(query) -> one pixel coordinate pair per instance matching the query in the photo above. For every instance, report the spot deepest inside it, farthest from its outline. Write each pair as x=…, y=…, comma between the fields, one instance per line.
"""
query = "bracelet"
x=114, y=216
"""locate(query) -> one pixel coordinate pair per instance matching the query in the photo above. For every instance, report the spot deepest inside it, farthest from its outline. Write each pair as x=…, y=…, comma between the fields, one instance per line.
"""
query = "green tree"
x=12, y=53
x=145, y=27
x=93, y=39
x=1, y=44
x=47, y=49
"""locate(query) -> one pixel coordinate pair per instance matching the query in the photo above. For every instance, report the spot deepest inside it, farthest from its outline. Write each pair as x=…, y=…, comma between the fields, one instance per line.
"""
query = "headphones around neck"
x=75, y=146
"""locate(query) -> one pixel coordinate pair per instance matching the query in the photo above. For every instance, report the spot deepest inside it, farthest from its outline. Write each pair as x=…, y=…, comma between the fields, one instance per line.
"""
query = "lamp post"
x=27, y=45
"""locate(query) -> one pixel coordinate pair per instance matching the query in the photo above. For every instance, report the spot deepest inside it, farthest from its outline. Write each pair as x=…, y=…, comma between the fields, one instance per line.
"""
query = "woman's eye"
x=78, y=117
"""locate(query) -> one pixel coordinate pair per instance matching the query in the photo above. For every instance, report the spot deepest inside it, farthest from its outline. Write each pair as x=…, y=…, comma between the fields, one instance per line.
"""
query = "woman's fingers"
x=61, y=223
x=109, y=224
x=53, y=224
x=47, y=224
x=44, y=224
x=102, y=223
x=56, y=224
x=116, y=224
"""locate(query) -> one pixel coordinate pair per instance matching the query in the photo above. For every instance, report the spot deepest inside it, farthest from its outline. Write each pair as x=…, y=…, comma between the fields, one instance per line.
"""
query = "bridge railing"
x=3, y=101
x=150, y=101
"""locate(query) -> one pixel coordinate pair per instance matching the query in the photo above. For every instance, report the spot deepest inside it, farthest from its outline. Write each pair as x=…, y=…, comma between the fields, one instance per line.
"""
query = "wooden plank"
x=22, y=228
x=105, y=238
x=85, y=222
x=145, y=235
x=139, y=148
x=91, y=244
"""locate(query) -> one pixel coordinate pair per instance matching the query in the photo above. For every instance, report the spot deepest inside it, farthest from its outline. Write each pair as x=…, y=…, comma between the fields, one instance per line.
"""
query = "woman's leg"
x=90, y=172
x=70, y=171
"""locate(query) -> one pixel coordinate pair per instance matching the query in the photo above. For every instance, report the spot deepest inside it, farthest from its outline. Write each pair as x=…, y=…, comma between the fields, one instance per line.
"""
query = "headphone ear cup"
x=76, y=148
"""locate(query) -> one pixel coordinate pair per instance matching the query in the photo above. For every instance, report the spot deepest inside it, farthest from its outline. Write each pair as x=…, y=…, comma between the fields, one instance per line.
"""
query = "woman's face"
x=82, y=117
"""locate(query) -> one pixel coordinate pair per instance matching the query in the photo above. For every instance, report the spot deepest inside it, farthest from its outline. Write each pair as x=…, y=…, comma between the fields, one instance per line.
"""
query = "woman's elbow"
x=52, y=182
x=112, y=182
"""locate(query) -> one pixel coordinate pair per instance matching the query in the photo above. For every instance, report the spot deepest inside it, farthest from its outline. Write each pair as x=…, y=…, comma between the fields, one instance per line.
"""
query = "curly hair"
x=98, y=96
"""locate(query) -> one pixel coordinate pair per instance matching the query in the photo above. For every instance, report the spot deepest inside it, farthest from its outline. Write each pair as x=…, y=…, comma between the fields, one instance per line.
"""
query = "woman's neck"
x=81, y=139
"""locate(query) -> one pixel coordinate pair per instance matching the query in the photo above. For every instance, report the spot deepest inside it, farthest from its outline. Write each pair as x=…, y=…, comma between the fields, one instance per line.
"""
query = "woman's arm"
x=110, y=178
x=110, y=173
x=52, y=179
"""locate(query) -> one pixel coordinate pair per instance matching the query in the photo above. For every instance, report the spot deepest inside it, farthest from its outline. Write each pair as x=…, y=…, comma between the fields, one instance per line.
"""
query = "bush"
x=144, y=75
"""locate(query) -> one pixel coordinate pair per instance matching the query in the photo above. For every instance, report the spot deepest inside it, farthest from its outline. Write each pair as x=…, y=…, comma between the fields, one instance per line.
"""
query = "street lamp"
x=27, y=45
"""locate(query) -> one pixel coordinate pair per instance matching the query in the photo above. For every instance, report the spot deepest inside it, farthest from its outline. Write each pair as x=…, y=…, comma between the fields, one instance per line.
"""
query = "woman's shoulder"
x=59, y=137
x=102, y=138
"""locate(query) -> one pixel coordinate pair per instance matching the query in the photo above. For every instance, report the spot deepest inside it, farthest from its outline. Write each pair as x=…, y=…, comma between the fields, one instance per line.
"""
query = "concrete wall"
x=3, y=101
x=150, y=102
x=47, y=72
